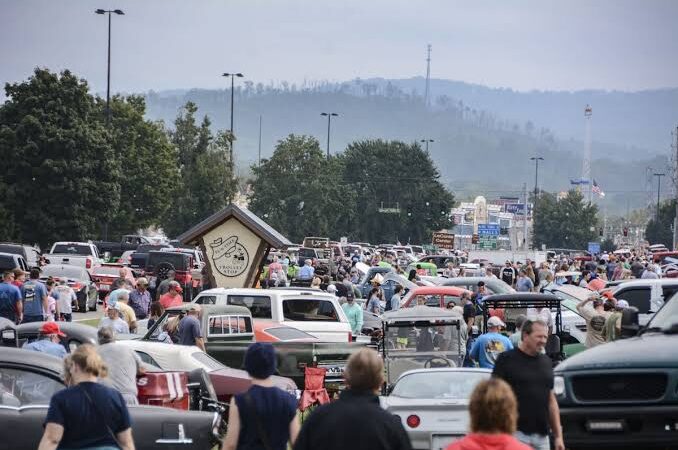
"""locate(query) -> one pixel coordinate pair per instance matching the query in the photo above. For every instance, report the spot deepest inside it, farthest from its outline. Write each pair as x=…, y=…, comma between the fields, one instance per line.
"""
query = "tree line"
x=70, y=176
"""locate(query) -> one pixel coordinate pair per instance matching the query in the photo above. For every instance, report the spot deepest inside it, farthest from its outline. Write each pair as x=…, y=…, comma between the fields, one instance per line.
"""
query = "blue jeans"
x=536, y=441
x=28, y=319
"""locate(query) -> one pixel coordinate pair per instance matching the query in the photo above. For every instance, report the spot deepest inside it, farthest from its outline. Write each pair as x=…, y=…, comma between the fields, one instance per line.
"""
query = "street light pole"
x=659, y=184
x=536, y=160
x=108, y=76
x=426, y=141
x=232, y=75
x=329, y=121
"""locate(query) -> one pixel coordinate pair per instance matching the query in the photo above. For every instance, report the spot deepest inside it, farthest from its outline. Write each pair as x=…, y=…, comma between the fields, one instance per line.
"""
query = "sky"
x=524, y=45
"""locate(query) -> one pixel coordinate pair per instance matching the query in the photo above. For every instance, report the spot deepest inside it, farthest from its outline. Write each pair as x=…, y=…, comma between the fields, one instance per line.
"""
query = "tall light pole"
x=426, y=141
x=232, y=75
x=108, y=77
x=536, y=160
x=329, y=121
x=659, y=185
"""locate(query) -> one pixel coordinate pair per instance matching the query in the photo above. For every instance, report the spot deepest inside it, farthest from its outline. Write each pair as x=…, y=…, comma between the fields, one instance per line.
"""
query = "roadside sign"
x=343, y=240
x=488, y=229
x=594, y=248
x=443, y=240
x=487, y=242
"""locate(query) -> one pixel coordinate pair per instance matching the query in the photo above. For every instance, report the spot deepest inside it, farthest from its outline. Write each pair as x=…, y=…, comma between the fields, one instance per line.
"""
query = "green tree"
x=661, y=233
x=60, y=175
x=300, y=193
x=400, y=178
x=205, y=182
x=149, y=165
x=564, y=223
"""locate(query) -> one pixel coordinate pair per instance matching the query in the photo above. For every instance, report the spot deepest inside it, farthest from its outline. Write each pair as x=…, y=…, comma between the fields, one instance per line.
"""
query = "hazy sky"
x=162, y=44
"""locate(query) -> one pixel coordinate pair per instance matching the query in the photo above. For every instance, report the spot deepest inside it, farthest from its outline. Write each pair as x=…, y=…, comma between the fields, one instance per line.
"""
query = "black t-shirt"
x=531, y=378
x=469, y=311
x=342, y=289
x=87, y=411
x=508, y=275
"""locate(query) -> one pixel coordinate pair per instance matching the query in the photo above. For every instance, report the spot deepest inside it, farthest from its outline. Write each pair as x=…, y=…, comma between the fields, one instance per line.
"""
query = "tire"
x=161, y=271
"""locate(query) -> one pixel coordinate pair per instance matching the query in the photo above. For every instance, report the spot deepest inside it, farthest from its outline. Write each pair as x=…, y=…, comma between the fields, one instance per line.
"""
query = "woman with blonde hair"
x=87, y=414
x=494, y=415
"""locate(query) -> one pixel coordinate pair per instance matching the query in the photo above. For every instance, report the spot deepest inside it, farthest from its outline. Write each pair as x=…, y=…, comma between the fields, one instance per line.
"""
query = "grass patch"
x=90, y=322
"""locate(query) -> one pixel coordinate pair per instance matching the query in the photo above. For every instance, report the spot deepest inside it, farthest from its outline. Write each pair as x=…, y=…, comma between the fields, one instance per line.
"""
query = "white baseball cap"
x=622, y=304
x=495, y=321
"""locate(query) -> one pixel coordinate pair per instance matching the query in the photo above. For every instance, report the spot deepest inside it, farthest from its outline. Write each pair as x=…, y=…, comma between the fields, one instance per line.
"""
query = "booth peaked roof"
x=246, y=217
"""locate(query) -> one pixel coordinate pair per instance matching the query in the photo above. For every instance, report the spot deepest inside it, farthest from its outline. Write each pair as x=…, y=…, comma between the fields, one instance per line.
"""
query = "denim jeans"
x=536, y=441
x=28, y=319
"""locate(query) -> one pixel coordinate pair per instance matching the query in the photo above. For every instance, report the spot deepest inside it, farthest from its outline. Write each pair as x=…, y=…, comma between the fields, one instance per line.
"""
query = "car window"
x=638, y=297
x=148, y=359
x=7, y=262
x=431, y=300
x=259, y=305
x=226, y=325
x=451, y=298
x=19, y=387
x=303, y=310
x=72, y=249
x=668, y=291
x=206, y=300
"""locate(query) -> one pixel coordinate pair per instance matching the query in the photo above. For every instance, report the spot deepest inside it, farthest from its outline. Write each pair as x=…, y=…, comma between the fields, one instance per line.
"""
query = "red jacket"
x=477, y=441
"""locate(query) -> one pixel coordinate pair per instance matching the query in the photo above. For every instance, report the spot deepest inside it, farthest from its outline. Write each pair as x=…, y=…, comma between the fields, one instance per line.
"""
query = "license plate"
x=605, y=425
x=441, y=441
x=104, y=287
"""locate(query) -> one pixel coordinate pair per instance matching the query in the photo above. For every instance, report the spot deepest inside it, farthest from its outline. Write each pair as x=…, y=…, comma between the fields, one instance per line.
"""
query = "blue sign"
x=594, y=248
x=488, y=229
x=518, y=209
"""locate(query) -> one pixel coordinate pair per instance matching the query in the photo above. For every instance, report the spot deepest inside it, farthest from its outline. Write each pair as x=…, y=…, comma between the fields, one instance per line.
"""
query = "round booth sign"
x=229, y=257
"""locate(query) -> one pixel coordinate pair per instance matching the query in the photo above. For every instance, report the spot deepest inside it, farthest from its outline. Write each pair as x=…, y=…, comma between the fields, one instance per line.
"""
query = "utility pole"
x=233, y=76
x=427, y=91
x=536, y=160
x=260, y=140
x=675, y=182
x=329, y=122
x=659, y=186
x=525, y=216
x=118, y=12
x=426, y=141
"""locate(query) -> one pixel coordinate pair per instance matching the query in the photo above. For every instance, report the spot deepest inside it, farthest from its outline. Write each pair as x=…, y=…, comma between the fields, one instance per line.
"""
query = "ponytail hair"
x=89, y=361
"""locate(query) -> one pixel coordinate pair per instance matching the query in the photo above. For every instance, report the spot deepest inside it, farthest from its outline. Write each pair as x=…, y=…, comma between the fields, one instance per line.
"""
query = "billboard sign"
x=443, y=240
x=488, y=229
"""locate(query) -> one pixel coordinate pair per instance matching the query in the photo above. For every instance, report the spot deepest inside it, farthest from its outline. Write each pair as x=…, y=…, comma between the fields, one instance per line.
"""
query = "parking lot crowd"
x=515, y=409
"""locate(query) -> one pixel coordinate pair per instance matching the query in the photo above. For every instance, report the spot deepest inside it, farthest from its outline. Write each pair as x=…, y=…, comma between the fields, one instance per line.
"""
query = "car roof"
x=214, y=309
x=420, y=313
x=647, y=282
x=20, y=356
x=439, y=290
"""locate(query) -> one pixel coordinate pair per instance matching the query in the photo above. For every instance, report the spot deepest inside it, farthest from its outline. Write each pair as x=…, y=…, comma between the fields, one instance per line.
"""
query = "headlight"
x=559, y=385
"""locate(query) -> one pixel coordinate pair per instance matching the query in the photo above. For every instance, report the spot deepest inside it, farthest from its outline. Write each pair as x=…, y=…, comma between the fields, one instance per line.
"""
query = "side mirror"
x=629, y=322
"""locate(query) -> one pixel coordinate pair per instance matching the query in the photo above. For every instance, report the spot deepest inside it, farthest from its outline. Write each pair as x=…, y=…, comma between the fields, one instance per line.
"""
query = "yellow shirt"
x=127, y=314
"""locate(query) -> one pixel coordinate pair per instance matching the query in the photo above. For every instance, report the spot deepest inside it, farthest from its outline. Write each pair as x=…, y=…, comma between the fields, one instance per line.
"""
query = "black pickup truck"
x=127, y=243
x=624, y=394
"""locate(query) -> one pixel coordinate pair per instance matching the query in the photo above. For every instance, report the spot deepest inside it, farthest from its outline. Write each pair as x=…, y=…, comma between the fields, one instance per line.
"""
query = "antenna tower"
x=427, y=92
x=586, y=166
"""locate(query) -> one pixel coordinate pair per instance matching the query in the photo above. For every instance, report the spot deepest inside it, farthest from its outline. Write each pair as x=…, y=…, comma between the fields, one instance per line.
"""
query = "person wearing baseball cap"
x=487, y=348
x=612, y=327
x=49, y=341
x=173, y=296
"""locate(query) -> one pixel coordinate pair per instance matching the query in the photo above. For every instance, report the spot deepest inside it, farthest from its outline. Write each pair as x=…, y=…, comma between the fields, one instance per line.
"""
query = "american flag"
x=596, y=189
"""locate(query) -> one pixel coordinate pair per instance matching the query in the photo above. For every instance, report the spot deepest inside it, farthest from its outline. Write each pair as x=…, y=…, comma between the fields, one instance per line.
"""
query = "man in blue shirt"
x=306, y=272
x=524, y=284
x=189, y=328
x=140, y=299
x=49, y=341
x=10, y=298
x=490, y=345
x=34, y=295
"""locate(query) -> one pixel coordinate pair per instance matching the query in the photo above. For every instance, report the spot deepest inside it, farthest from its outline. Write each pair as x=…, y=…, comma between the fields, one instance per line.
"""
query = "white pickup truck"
x=313, y=311
x=83, y=254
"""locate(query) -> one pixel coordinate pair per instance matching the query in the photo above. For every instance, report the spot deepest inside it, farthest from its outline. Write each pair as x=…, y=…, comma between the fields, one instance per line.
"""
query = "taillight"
x=413, y=421
x=88, y=264
x=350, y=336
x=77, y=286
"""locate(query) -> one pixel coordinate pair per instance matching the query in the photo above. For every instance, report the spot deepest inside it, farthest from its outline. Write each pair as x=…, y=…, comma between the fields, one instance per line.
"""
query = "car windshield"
x=207, y=360
x=72, y=249
x=456, y=385
x=72, y=272
x=567, y=301
x=667, y=316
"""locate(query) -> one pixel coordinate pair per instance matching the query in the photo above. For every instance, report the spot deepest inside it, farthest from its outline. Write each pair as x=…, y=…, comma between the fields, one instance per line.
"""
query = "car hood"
x=234, y=381
x=651, y=350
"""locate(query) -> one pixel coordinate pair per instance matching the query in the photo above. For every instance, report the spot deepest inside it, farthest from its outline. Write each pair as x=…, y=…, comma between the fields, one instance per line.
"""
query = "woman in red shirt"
x=494, y=414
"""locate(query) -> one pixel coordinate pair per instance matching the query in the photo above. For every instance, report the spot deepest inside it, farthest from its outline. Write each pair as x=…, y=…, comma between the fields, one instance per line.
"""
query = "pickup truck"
x=83, y=254
x=128, y=242
x=623, y=394
x=140, y=256
x=312, y=311
x=228, y=331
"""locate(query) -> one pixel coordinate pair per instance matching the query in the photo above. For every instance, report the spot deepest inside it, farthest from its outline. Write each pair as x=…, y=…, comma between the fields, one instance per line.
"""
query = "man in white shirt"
x=114, y=321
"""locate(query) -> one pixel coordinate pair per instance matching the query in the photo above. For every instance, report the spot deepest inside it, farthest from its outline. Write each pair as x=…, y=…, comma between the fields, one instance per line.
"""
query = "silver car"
x=433, y=404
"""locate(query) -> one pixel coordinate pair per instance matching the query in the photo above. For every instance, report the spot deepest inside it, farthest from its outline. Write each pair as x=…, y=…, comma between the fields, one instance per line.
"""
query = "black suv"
x=624, y=394
x=159, y=264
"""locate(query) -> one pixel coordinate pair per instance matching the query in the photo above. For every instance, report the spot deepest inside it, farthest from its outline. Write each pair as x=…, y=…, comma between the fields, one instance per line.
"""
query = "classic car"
x=225, y=380
x=104, y=276
x=622, y=395
x=433, y=404
x=228, y=331
x=438, y=296
x=492, y=285
x=28, y=380
x=79, y=279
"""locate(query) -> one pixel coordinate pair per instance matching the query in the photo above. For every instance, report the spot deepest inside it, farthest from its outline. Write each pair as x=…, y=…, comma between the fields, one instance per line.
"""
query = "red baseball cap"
x=178, y=289
x=51, y=328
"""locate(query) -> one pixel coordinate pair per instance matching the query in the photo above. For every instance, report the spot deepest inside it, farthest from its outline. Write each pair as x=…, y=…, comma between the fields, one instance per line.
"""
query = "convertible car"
x=28, y=380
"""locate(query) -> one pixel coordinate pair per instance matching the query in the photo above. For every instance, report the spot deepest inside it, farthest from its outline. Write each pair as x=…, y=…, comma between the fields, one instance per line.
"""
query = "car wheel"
x=162, y=270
